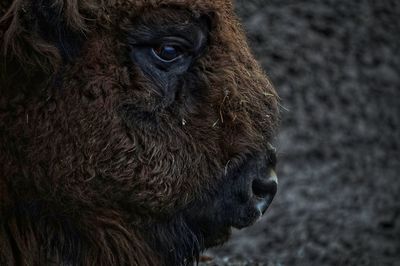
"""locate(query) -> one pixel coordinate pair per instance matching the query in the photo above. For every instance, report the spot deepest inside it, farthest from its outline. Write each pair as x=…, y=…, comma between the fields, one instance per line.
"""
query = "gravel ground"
x=336, y=66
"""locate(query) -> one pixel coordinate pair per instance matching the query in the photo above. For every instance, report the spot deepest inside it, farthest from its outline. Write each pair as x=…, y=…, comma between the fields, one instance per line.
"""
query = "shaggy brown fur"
x=79, y=185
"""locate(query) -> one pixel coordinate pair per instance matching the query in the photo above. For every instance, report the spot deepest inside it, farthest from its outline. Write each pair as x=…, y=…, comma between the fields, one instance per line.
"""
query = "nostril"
x=263, y=188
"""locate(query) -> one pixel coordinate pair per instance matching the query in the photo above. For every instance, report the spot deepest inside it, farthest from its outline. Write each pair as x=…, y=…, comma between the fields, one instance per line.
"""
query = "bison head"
x=132, y=132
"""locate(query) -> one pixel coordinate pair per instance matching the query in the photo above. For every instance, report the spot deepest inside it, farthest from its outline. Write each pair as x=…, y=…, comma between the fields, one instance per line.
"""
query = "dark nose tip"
x=264, y=189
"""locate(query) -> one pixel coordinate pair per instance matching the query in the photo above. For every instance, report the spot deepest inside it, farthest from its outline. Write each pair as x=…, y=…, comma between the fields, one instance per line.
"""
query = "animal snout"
x=256, y=185
x=241, y=198
x=264, y=190
x=261, y=177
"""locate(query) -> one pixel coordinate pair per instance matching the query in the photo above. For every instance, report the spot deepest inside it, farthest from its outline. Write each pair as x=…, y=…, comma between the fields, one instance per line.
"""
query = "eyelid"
x=140, y=38
x=176, y=41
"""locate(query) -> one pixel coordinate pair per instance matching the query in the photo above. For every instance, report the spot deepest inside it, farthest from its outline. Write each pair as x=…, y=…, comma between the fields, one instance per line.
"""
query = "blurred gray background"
x=336, y=66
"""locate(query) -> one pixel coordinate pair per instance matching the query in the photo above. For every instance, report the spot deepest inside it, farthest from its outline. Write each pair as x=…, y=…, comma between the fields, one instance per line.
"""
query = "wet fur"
x=79, y=184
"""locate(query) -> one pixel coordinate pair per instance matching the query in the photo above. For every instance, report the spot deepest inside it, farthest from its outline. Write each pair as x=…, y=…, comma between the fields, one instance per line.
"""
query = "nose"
x=256, y=186
x=264, y=190
x=264, y=181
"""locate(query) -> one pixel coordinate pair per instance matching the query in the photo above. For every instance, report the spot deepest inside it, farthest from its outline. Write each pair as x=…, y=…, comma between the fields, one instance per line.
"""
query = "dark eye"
x=167, y=53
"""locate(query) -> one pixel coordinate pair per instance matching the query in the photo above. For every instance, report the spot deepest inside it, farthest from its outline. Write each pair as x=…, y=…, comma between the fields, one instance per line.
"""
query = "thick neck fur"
x=56, y=239
x=98, y=239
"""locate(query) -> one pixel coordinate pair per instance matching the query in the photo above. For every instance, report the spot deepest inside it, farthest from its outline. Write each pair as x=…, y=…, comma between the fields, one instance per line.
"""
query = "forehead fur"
x=199, y=4
x=75, y=11
x=19, y=21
